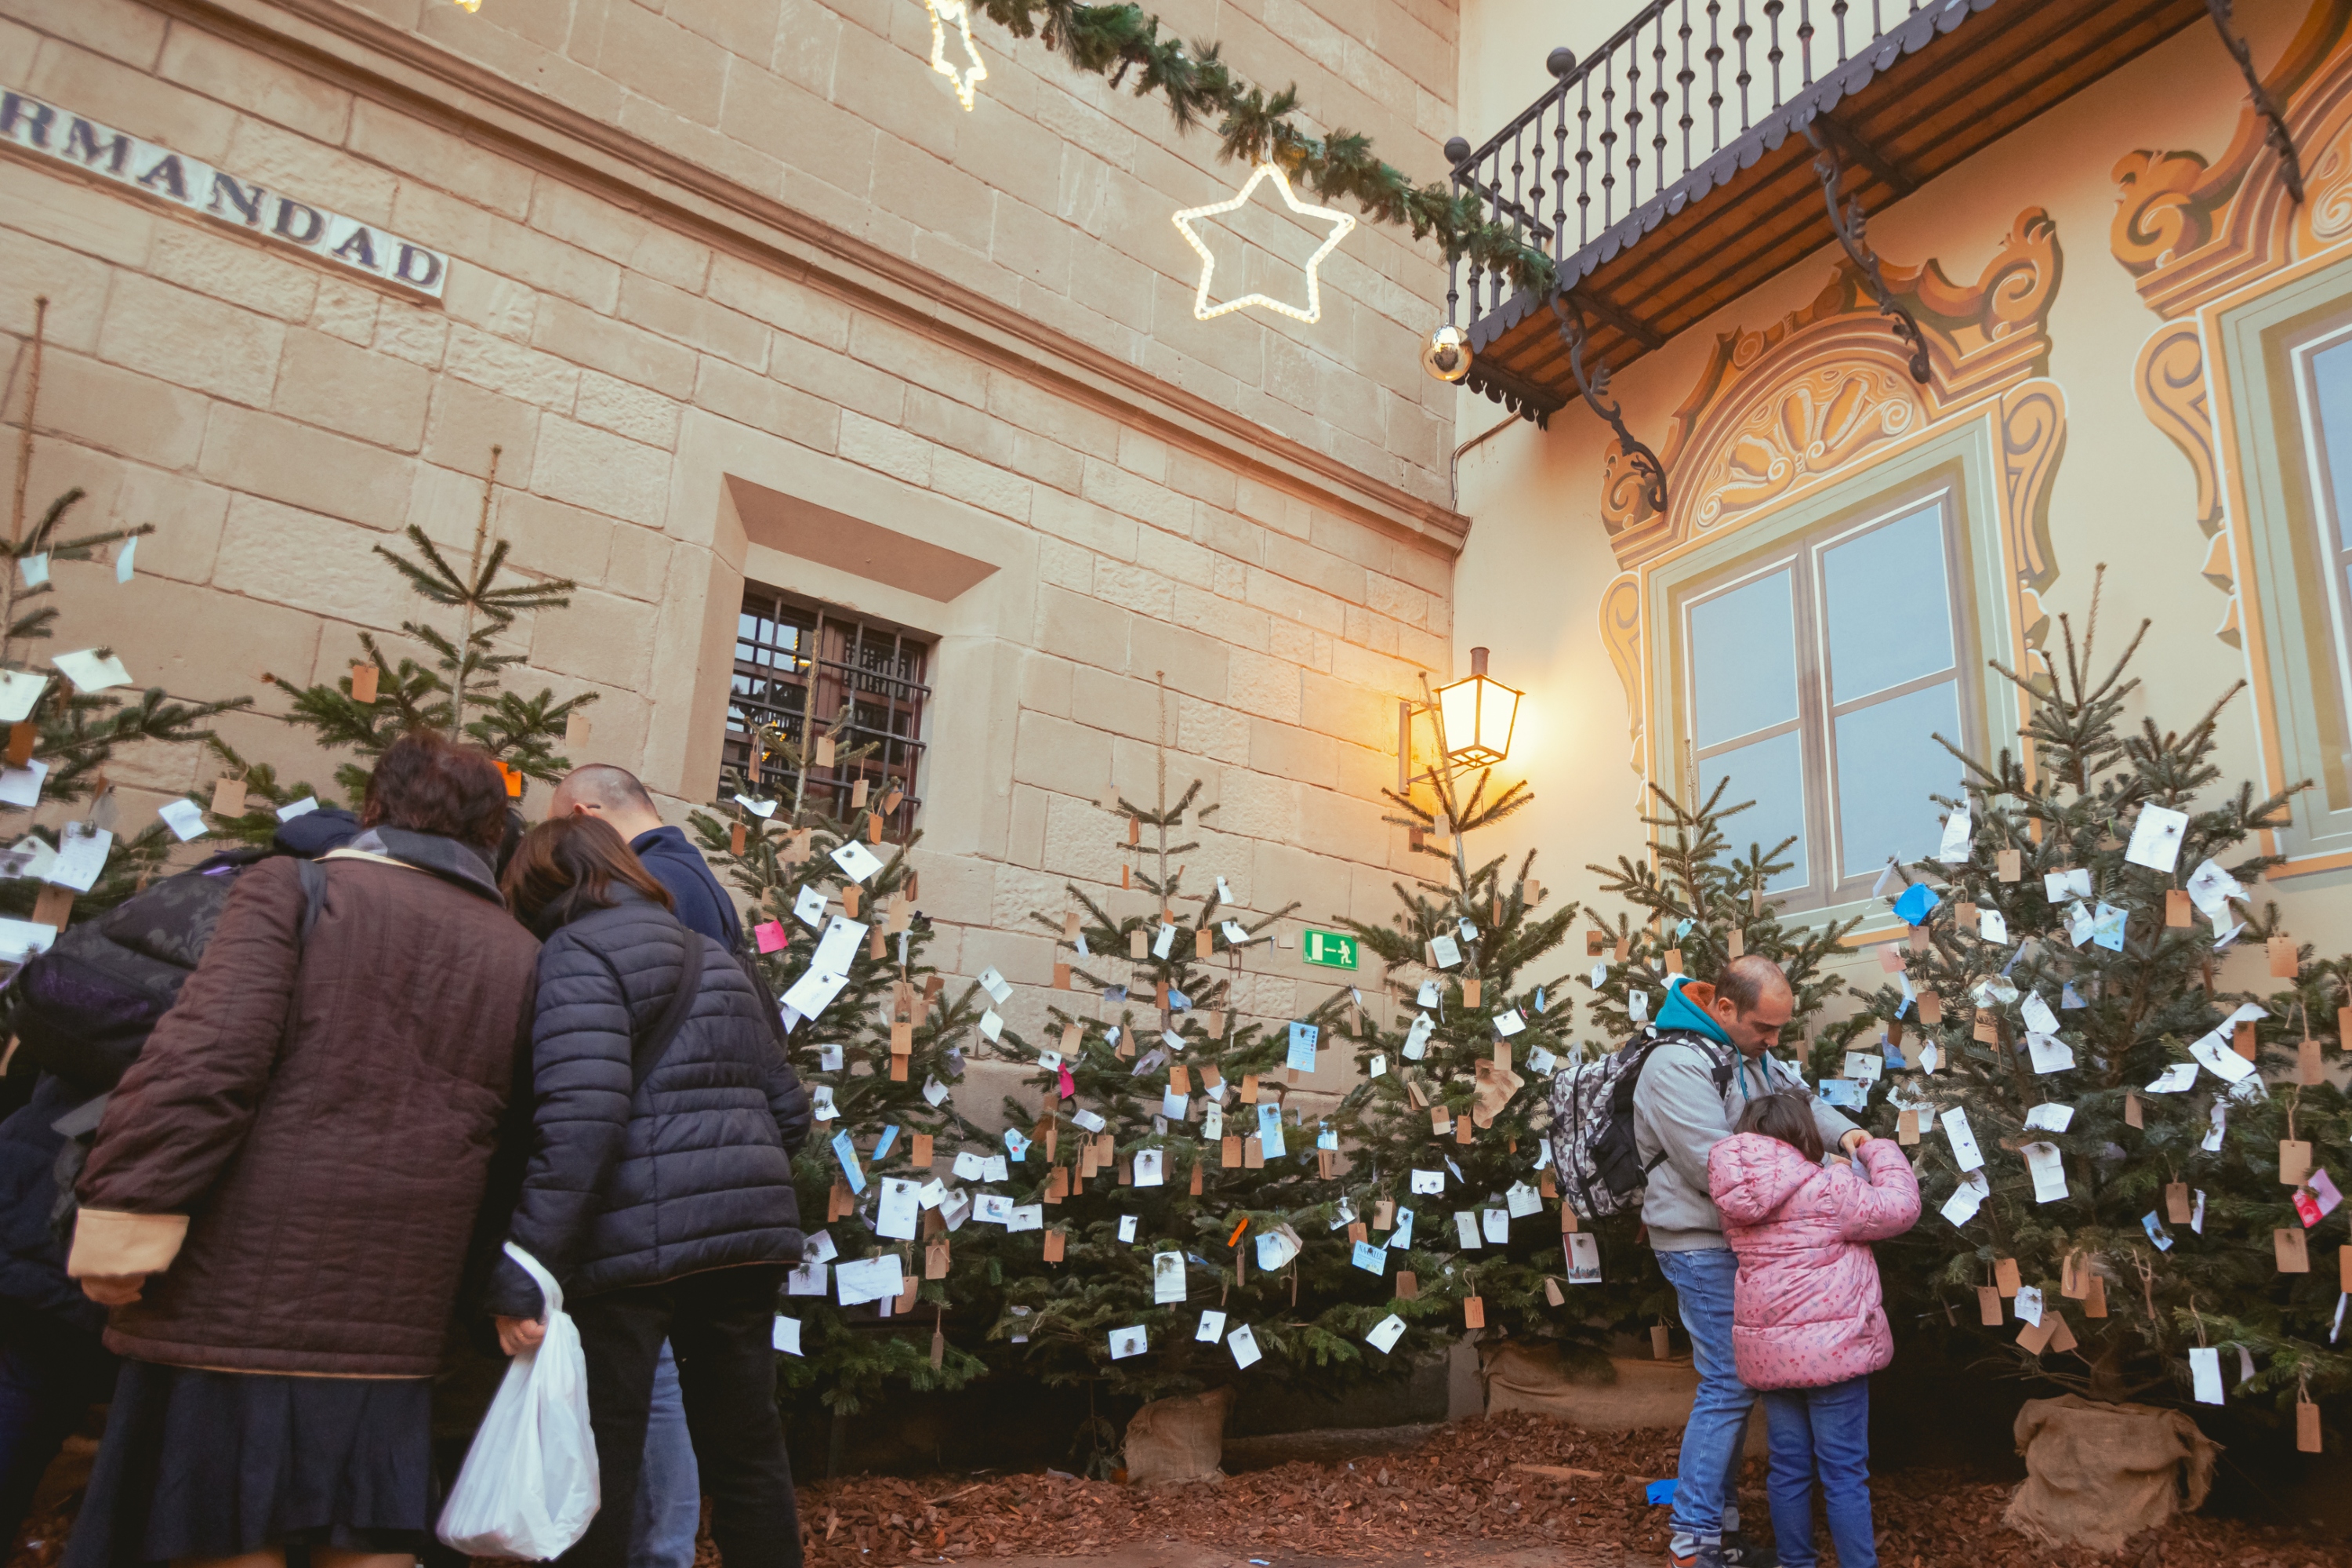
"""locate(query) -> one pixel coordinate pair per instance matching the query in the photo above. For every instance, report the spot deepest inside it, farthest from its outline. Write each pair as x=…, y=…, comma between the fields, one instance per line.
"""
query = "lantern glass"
x=1479, y=713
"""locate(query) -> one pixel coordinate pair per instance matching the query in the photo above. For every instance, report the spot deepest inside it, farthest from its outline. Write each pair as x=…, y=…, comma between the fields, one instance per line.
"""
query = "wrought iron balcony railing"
x=1687, y=159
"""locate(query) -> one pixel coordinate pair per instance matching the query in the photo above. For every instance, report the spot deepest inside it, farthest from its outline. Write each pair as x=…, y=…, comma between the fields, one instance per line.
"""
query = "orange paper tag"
x=2283, y=962
x=2293, y=1253
x=2176, y=908
x=2009, y=865
x=363, y=679
x=1474, y=1312
x=229, y=796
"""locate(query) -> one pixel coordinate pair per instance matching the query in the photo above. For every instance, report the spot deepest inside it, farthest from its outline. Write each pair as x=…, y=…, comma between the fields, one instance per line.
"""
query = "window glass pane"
x=1743, y=659
x=1890, y=610
x=2331, y=380
x=1772, y=774
x=1887, y=762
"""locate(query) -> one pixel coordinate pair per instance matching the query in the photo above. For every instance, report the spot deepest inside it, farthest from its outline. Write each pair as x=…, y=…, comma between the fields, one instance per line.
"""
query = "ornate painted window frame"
x=1816, y=417
x=2227, y=259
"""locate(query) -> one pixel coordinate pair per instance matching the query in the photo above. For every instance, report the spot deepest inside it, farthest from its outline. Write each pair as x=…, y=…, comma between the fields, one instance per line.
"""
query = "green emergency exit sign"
x=1329, y=948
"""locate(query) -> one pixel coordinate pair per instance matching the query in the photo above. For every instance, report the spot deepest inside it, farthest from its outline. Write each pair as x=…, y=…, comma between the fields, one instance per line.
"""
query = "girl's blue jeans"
x=1825, y=1434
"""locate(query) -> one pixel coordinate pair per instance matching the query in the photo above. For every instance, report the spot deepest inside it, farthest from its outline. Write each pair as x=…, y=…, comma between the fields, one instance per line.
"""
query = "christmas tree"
x=2116, y=1195
x=1189, y=1206
x=65, y=723
x=1694, y=903
x=1447, y=1131
x=460, y=688
x=881, y=1049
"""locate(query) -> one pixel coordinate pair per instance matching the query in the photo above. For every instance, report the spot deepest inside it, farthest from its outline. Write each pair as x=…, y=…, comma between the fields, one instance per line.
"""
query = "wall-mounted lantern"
x=1475, y=717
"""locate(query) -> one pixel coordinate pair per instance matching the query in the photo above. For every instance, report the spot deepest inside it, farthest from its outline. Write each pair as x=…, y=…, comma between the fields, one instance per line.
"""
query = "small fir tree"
x=2083, y=1110
x=1164, y=1073
x=881, y=1059
x=459, y=688
x=1456, y=1093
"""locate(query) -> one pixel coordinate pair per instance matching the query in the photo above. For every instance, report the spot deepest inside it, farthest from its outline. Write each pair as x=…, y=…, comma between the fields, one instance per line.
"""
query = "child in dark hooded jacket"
x=1807, y=1325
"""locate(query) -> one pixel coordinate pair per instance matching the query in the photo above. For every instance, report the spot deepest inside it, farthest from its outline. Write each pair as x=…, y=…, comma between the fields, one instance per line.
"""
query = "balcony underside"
x=1918, y=102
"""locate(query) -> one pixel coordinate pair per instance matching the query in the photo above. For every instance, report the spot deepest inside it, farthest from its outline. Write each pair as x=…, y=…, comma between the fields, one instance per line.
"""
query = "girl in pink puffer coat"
x=1807, y=1325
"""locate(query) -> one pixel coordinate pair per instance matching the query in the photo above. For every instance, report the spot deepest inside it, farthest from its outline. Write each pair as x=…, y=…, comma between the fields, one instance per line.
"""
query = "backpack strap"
x=655, y=1043
x=313, y=878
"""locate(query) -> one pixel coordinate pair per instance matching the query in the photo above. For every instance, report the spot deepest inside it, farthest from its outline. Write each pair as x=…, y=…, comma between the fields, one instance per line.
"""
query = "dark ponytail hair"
x=566, y=867
x=1786, y=1117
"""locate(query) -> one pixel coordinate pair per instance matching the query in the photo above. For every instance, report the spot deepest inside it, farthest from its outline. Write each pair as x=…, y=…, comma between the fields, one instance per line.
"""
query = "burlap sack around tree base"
x=2098, y=1474
x=1179, y=1439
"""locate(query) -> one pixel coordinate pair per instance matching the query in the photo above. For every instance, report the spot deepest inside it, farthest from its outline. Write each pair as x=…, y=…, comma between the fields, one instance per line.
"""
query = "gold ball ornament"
x=1447, y=353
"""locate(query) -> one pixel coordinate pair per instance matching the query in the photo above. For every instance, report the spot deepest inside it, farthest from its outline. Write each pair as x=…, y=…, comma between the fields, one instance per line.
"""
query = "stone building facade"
x=747, y=301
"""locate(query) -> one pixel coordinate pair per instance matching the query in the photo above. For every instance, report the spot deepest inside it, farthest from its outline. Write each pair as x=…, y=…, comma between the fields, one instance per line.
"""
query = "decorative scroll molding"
x=2189, y=231
x=1621, y=634
x=2171, y=381
x=1778, y=410
x=1819, y=394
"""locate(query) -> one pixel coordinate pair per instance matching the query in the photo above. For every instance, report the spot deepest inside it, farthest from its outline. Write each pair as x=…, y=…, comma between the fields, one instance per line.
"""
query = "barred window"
x=794, y=659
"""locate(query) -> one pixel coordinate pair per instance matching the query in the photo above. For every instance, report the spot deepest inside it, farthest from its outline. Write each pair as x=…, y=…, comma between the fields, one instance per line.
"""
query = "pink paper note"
x=772, y=936
x=2317, y=1199
x=1069, y=1084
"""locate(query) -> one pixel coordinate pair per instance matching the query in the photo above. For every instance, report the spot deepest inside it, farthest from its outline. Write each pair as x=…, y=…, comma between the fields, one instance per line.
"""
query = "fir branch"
x=1253, y=125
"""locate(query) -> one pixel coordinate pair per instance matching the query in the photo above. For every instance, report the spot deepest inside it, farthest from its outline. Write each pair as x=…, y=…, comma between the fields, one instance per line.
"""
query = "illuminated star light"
x=1341, y=226
x=959, y=13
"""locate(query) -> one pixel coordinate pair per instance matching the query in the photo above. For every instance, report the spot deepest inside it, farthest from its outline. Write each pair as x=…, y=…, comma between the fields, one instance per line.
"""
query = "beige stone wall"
x=1054, y=194
x=638, y=360
x=2123, y=496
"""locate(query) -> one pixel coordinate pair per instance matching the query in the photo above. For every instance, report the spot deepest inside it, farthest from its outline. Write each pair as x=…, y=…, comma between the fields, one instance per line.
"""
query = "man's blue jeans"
x=1822, y=1432
x=1706, y=1489
x=669, y=1488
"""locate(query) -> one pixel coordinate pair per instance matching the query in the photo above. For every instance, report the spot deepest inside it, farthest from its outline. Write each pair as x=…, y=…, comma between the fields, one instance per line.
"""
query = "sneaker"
x=1739, y=1551
x=1701, y=1556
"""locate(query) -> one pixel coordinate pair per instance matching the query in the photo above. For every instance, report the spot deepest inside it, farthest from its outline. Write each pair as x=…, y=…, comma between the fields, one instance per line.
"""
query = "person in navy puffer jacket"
x=663, y=1208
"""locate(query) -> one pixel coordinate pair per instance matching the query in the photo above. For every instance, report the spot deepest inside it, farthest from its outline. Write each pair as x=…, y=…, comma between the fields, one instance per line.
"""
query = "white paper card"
x=1385, y=1333
x=869, y=1279
x=1523, y=1200
x=2037, y=1015
x=838, y=946
x=184, y=818
x=2156, y=838
x=1243, y=1342
x=1991, y=926
x=2174, y=1078
x=1443, y=948
x=999, y=991
x=1465, y=1228
x=857, y=860
x=22, y=786
x=1149, y=1165
x=2215, y=1055
x=1164, y=943
x=810, y=1279
x=1167, y=1278
x=1416, y=1037
x=1954, y=850
x=91, y=670
x=809, y=907
x=2050, y=1118
x=1964, y=1142
x=81, y=855
x=1125, y=1343
x=1497, y=1225
x=1966, y=1198
x=894, y=1216
x=19, y=690
x=1433, y=1181
x=2211, y=889
x=2205, y=1374
x=1212, y=1329
x=2029, y=1305
x=1126, y=1228
x=2049, y=1172
x=814, y=991
x=2050, y=1053
x=786, y=1335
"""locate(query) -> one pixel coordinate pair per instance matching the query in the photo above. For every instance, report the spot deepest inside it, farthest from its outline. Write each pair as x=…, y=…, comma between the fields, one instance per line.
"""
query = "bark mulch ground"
x=1515, y=1491
x=1466, y=1494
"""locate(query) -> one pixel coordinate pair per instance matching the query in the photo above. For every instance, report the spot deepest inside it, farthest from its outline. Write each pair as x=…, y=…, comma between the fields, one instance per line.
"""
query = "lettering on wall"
x=68, y=138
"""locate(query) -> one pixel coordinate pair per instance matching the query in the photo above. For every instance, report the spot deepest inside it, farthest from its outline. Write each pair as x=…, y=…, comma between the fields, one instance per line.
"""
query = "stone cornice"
x=362, y=53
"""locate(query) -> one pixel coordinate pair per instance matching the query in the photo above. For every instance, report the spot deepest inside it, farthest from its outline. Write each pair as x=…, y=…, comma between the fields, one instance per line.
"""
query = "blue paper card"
x=846, y=1153
x=1269, y=1119
x=1916, y=901
x=1302, y=1048
x=882, y=1144
x=1370, y=1258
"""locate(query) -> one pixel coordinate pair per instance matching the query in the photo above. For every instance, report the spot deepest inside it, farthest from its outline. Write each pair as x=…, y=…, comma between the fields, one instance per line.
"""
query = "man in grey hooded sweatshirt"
x=1690, y=1093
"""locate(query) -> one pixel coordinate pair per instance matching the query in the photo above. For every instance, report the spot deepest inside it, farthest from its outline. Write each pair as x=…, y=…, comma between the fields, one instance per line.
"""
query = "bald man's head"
x=1753, y=1002
x=616, y=795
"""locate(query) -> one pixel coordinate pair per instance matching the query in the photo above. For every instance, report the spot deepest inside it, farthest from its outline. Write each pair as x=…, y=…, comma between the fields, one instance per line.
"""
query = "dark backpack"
x=1593, y=1143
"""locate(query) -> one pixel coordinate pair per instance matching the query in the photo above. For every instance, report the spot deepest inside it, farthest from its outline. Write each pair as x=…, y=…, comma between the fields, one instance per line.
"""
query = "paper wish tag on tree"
x=1966, y=1198
x=1958, y=827
x=2049, y=1053
x=2156, y=838
x=874, y=1278
x=1125, y=1343
x=2317, y=1199
x=91, y=670
x=1443, y=951
x=1384, y=1335
x=2214, y=1054
x=1429, y=1182
x=2212, y=889
x=2049, y=1172
x=1965, y=1153
x=1243, y=1342
x=856, y=861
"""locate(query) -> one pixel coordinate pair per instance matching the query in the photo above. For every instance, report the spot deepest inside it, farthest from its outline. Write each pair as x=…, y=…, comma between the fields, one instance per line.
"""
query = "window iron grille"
x=795, y=660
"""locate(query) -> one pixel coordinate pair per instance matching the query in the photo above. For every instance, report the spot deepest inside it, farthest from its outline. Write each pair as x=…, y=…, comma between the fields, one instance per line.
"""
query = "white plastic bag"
x=529, y=1485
